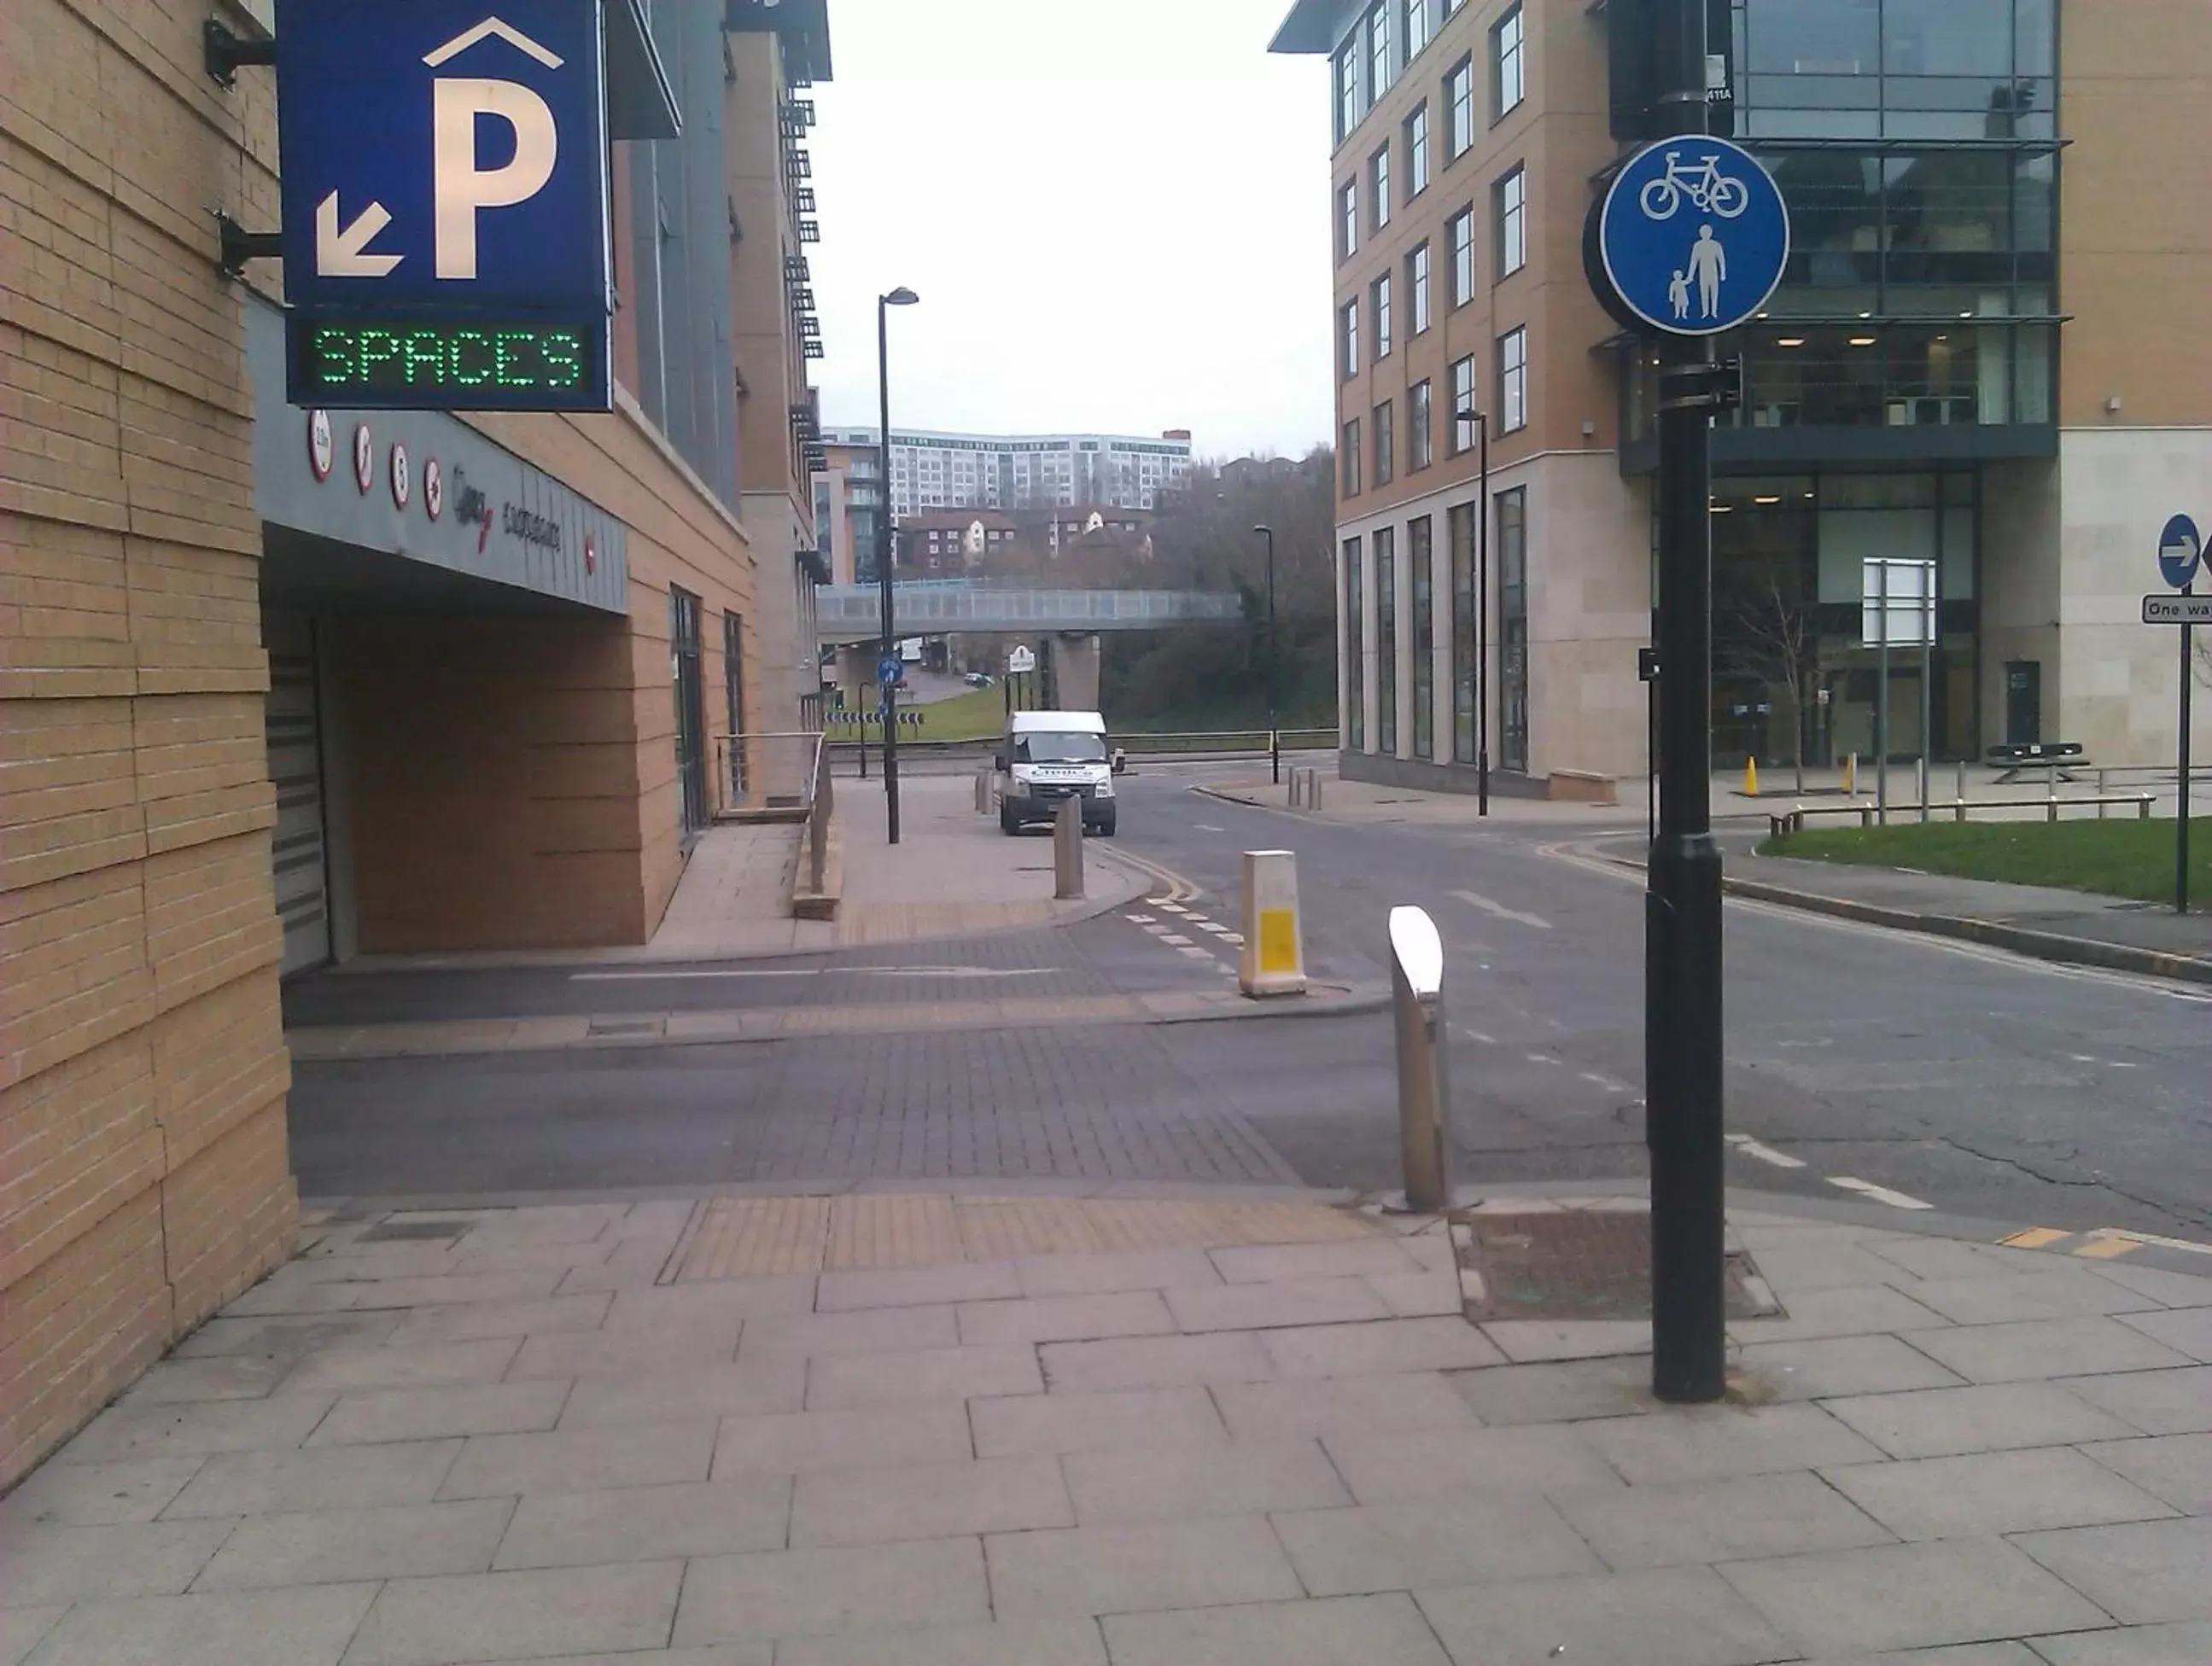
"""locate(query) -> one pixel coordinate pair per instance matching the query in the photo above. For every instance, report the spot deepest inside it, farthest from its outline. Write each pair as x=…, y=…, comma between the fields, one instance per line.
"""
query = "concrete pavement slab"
x=2184, y=1643
x=1383, y=1347
x=1276, y=1263
x=1569, y=1391
x=648, y=1523
x=929, y=1501
x=2061, y=1291
x=20, y=1628
x=1104, y=1272
x=2187, y=1331
x=1161, y=1419
x=582, y=1312
x=1992, y=1493
x=1278, y=1304
x=1904, y=1596
x=2036, y=1350
x=2176, y=1468
x=94, y=1495
x=1683, y=1616
x=791, y=1593
x=1386, y=1467
x=1532, y=1342
x=1066, y=1318
x=1071, y=1572
x=1717, y=1521
x=325, y=1478
x=1181, y=1484
x=671, y=1394
x=1692, y=1443
x=1417, y=1295
x=278, y=1422
x=422, y=1365
x=293, y=1335
x=795, y=1443
x=510, y=1616
x=328, y=1546
x=1858, y=1310
x=838, y=1382
x=1387, y=1630
x=664, y=1307
x=372, y=1416
x=48, y=1564
x=2175, y=1289
x=2173, y=1401
x=2141, y=1574
x=1345, y=1406
x=1432, y=1541
x=580, y=1460
x=1833, y=1365
x=1983, y=1418
x=710, y=1339
x=218, y=1377
x=868, y=1331
x=1004, y=1643
x=1131, y=1362
x=307, y=1626
x=1965, y=1654
x=911, y=1286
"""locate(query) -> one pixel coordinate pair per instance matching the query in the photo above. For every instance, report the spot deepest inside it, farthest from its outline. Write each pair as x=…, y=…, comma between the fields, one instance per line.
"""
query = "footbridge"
x=854, y=613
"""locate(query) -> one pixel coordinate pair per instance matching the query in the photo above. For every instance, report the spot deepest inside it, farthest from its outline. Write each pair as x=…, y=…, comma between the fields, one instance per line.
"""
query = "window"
x=1461, y=229
x=733, y=695
x=1463, y=405
x=1378, y=188
x=1347, y=87
x=1386, y=640
x=1425, y=637
x=1347, y=456
x=1420, y=26
x=1459, y=109
x=1379, y=303
x=1385, y=427
x=1355, y=668
x=1347, y=237
x=1381, y=63
x=1416, y=287
x=1513, y=380
x=1509, y=209
x=1513, y=628
x=1505, y=67
x=1351, y=339
x=1462, y=582
x=1417, y=152
x=1419, y=453
x=692, y=810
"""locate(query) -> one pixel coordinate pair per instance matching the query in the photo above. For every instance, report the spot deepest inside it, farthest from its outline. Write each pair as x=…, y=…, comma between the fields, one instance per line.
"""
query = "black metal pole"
x=2181, y=809
x=1682, y=1004
x=1482, y=624
x=886, y=690
x=1274, y=731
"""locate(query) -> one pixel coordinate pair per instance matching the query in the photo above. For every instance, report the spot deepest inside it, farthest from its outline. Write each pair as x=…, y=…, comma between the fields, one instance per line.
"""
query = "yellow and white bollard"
x=1274, y=960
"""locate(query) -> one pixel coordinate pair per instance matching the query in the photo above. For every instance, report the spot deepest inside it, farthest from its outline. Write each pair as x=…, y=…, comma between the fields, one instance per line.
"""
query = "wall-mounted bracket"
x=223, y=51
x=241, y=246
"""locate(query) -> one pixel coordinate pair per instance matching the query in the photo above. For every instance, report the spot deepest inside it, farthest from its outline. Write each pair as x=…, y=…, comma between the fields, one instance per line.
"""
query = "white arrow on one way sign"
x=342, y=251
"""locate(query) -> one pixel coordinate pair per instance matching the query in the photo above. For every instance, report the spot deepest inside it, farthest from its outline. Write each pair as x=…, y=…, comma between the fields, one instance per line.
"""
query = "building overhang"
x=1310, y=26
x=803, y=26
x=641, y=102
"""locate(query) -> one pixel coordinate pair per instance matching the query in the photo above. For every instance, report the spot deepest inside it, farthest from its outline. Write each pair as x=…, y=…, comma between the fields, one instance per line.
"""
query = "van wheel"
x=1009, y=823
x=1106, y=828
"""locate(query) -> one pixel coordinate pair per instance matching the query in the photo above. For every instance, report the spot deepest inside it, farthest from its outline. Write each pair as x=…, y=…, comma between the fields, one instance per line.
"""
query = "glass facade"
x=1462, y=534
x=1386, y=640
x=1355, y=691
x=1513, y=628
x=1425, y=637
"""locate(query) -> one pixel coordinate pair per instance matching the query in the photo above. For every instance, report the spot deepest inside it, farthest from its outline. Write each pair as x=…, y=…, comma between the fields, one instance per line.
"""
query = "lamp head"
x=901, y=296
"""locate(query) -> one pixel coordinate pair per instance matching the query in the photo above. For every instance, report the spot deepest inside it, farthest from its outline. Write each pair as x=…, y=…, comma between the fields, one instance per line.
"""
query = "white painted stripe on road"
x=1236, y=938
x=695, y=971
x=1544, y=1058
x=1502, y=912
x=1477, y=1035
x=1196, y=953
x=1138, y=919
x=1171, y=907
x=1207, y=826
x=1605, y=1082
x=1174, y=940
x=1896, y=1199
x=1766, y=1154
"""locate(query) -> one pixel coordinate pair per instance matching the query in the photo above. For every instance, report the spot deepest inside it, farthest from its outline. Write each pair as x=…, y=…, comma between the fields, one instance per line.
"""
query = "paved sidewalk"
x=1051, y=1431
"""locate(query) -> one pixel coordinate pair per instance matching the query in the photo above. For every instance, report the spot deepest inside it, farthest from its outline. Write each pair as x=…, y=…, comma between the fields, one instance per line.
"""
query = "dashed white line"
x=1766, y=1154
x=1544, y=1058
x=1207, y=826
x=1196, y=953
x=1236, y=938
x=1502, y=912
x=1171, y=908
x=1138, y=919
x=1896, y=1199
x=1174, y=940
x=1605, y=1082
x=1486, y=1040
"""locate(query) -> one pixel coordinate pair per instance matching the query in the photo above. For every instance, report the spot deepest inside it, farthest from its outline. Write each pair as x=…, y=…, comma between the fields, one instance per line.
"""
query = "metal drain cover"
x=1577, y=1264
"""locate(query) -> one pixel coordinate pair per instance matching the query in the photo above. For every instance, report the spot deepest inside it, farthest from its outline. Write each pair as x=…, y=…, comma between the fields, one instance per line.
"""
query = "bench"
x=2059, y=760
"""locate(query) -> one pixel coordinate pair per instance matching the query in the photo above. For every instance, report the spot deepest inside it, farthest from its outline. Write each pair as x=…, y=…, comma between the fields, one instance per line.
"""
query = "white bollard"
x=1273, y=960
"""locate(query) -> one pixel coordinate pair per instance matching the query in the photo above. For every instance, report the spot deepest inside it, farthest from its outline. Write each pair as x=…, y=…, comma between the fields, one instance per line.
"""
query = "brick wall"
x=143, y=1177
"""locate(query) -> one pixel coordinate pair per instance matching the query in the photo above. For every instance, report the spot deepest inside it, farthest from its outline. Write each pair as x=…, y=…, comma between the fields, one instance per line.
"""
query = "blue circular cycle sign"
x=1693, y=235
x=2179, y=549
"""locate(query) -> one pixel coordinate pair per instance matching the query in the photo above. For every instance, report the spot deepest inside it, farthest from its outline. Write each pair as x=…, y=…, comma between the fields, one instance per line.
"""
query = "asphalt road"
x=1955, y=1076
x=1969, y=1079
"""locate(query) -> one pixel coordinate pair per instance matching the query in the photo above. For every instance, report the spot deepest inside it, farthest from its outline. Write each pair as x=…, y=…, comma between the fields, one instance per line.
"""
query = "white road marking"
x=1156, y=930
x=1766, y=1154
x=1197, y=953
x=1208, y=925
x=1174, y=942
x=698, y=971
x=1236, y=938
x=948, y=972
x=1171, y=907
x=1604, y=1082
x=1542, y=1058
x=1486, y=1040
x=1138, y=919
x=1896, y=1199
x=1502, y=911
x=1207, y=826
x=2150, y=1238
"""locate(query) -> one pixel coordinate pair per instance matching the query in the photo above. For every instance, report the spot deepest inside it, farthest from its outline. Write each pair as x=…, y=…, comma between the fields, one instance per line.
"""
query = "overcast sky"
x=1115, y=211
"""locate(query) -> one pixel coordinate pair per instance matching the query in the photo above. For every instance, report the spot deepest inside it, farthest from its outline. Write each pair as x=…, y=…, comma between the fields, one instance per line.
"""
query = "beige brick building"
x=261, y=711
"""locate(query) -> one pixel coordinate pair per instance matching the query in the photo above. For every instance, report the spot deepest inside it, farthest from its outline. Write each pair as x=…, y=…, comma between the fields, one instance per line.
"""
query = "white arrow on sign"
x=342, y=251
x=490, y=26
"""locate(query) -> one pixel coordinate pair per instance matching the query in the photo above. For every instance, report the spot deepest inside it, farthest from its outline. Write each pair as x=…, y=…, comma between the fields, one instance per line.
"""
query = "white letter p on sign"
x=460, y=187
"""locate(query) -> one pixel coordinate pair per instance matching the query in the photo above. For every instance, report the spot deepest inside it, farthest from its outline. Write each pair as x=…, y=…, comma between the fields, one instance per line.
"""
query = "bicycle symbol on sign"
x=1707, y=188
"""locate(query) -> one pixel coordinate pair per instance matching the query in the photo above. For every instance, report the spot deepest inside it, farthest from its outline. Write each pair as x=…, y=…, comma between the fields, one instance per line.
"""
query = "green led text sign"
x=411, y=362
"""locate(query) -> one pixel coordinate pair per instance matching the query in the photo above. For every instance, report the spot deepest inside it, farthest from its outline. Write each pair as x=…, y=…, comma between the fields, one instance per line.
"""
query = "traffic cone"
x=1751, y=778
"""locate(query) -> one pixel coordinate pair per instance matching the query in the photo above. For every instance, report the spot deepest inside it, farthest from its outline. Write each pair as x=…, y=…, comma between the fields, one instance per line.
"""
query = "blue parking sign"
x=445, y=204
x=1693, y=235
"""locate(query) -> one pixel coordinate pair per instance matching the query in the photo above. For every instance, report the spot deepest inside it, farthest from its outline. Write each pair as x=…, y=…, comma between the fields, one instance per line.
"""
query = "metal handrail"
x=1782, y=823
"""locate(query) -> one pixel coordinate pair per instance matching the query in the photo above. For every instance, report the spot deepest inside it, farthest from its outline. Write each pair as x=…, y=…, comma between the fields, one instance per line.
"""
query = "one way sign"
x=444, y=203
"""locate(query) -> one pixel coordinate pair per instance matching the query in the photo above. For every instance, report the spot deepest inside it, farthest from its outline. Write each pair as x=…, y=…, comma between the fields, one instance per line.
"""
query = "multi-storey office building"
x=934, y=471
x=1956, y=369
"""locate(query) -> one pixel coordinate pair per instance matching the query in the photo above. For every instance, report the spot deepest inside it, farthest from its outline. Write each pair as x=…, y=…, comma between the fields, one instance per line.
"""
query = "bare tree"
x=1776, y=638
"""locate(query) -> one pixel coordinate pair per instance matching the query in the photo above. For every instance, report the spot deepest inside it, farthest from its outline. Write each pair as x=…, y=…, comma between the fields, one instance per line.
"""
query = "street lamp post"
x=886, y=687
x=1481, y=421
x=1274, y=730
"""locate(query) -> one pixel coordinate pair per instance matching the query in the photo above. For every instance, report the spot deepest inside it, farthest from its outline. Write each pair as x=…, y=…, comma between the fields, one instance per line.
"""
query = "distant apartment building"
x=1964, y=364
x=950, y=541
x=935, y=470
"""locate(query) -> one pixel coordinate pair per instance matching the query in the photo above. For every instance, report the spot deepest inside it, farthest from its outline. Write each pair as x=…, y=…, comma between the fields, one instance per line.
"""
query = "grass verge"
x=2132, y=858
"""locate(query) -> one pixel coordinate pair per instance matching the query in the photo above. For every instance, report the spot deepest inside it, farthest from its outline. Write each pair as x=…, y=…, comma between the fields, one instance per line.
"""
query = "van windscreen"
x=1059, y=746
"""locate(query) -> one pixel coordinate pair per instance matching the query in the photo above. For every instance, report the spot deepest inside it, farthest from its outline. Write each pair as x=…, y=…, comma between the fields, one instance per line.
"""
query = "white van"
x=1048, y=757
